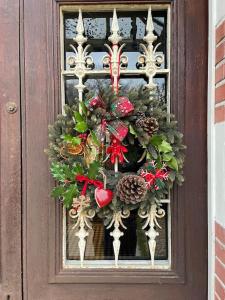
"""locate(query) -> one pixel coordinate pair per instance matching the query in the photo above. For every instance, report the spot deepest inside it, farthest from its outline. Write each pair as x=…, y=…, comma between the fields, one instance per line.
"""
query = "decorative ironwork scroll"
x=151, y=221
x=150, y=61
x=117, y=233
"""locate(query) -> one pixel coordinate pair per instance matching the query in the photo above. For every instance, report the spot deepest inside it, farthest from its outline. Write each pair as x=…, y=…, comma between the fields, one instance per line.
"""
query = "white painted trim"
x=211, y=149
x=220, y=22
x=222, y=82
x=220, y=281
x=221, y=103
x=217, y=296
x=222, y=62
x=220, y=42
x=220, y=261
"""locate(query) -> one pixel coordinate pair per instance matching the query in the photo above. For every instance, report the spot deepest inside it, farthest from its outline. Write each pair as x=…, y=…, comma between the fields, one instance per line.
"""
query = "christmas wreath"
x=115, y=153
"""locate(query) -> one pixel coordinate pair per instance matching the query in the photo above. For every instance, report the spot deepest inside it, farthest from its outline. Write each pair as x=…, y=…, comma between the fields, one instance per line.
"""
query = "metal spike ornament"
x=81, y=61
x=115, y=60
x=150, y=61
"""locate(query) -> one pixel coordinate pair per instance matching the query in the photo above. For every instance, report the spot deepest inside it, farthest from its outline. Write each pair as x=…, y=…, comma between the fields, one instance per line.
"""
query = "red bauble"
x=103, y=196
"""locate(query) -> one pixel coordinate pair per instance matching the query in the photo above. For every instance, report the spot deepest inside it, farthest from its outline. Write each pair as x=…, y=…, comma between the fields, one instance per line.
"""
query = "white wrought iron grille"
x=142, y=61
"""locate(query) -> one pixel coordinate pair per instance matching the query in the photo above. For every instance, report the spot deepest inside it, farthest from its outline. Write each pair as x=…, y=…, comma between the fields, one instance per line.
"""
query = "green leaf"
x=156, y=140
x=57, y=191
x=78, y=117
x=167, y=156
x=77, y=169
x=94, y=138
x=160, y=183
x=165, y=147
x=152, y=151
x=81, y=127
x=71, y=139
x=83, y=108
x=132, y=131
x=93, y=169
x=173, y=164
x=57, y=172
x=70, y=193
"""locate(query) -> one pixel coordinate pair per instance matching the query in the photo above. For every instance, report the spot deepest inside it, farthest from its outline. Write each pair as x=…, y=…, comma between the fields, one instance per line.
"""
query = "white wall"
x=220, y=173
x=220, y=10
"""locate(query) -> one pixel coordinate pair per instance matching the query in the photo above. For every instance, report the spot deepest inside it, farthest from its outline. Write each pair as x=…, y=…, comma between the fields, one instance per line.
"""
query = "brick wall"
x=220, y=73
x=219, y=262
x=219, y=283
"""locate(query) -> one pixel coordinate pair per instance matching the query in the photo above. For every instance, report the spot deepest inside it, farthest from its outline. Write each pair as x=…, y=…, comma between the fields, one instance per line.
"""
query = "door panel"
x=10, y=161
x=44, y=276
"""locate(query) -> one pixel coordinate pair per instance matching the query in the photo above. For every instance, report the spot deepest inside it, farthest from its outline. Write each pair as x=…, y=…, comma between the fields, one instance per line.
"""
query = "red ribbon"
x=86, y=180
x=151, y=178
x=116, y=150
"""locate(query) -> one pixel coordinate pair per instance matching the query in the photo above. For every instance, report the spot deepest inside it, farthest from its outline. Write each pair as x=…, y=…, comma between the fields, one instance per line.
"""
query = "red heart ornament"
x=103, y=197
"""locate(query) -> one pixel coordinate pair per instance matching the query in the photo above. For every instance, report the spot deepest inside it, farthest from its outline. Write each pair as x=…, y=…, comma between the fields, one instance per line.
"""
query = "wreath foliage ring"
x=115, y=152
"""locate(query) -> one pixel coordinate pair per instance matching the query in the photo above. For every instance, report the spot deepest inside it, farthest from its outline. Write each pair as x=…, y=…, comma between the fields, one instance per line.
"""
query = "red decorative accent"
x=95, y=103
x=83, y=136
x=103, y=196
x=151, y=178
x=86, y=180
x=116, y=150
x=122, y=107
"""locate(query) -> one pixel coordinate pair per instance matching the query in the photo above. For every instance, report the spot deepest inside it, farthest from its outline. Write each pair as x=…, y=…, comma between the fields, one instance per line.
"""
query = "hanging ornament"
x=103, y=196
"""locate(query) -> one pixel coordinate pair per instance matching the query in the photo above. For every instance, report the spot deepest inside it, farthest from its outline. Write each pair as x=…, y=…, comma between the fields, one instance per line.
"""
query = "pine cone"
x=131, y=189
x=148, y=124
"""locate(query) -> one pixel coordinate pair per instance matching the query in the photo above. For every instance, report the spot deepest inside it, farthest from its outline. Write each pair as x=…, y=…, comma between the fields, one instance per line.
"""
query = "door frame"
x=190, y=61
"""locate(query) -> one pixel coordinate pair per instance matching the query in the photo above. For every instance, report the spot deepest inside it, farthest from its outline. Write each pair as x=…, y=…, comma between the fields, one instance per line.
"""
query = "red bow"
x=116, y=151
x=151, y=178
x=86, y=180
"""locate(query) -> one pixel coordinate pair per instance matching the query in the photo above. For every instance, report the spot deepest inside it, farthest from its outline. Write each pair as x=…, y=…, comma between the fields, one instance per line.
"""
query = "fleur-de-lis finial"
x=115, y=38
x=149, y=60
x=80, y=38
x=150, y=37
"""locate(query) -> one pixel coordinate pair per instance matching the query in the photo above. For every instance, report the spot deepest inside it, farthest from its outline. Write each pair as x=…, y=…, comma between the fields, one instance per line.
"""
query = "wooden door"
x=10, y=141
x=44, y=275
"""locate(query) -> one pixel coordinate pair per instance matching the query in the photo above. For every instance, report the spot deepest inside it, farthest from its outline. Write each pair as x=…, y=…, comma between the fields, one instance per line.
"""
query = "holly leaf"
x=156, y=140
x=81, y=127
x=57, y=172
x=74, y=140
x=165, y=147
x=167, y=156
x=94, y=138
x=77, y=169
x=78, y=117
x=58, y=191
x=173, y=164
x=93, y=169
x=70, y=193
